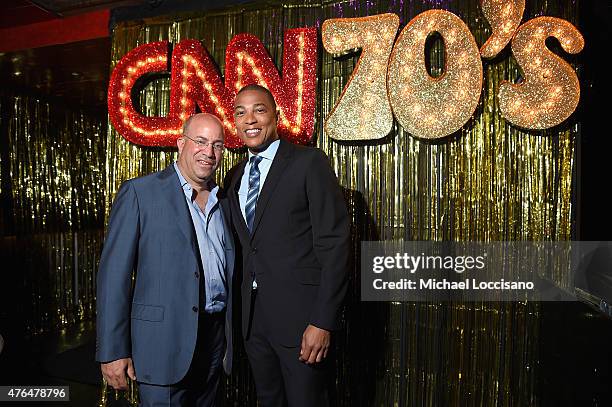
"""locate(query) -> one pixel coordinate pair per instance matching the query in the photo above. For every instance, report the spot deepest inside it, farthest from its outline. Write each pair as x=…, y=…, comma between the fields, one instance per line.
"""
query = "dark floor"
x=64, y=359
x=576, y=356
x=575, y=360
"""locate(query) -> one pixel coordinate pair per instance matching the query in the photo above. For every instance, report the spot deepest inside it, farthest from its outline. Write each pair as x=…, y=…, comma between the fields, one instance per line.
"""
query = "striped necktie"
x=251, y=203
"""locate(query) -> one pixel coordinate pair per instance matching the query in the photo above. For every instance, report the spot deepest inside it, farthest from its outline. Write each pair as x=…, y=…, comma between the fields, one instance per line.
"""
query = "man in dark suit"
x=291, y=219
x=171, y=331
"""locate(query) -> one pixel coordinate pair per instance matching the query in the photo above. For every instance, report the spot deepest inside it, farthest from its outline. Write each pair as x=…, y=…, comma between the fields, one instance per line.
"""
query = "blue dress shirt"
x=210, y=234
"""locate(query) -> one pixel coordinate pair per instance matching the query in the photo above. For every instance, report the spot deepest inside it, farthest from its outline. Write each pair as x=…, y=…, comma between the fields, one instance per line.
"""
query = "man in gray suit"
x=170, y=327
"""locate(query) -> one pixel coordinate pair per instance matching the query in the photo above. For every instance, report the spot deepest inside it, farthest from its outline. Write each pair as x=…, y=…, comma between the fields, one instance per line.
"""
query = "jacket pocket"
x=308, y=275
x=154, y=313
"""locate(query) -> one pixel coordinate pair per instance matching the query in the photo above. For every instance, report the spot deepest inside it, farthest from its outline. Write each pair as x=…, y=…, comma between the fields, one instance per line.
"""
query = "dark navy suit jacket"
x=154, y=318
x=299, y=248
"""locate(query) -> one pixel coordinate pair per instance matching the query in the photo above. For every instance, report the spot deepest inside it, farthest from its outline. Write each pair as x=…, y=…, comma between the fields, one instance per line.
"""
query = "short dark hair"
x=260, y=88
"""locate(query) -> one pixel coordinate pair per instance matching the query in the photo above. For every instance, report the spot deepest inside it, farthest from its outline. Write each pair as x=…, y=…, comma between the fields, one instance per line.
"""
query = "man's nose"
x=209, y=150
x=249, y=118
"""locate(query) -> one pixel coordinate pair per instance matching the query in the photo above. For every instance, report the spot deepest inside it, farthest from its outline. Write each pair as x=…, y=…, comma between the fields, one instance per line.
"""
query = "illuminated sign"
x=390, y=79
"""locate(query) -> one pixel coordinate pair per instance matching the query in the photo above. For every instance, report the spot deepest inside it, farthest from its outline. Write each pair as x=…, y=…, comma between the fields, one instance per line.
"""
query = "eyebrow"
x=255, y=105
x=202, y=138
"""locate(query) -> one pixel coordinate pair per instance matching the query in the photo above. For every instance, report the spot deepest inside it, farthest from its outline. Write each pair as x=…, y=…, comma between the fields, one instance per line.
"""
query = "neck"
x=204, y=186
x=259, y=149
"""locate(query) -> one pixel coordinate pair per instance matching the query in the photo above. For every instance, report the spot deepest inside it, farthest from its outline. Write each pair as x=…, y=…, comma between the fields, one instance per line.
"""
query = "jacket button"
x=197, y=275
x=254, y=250
x=195, y=309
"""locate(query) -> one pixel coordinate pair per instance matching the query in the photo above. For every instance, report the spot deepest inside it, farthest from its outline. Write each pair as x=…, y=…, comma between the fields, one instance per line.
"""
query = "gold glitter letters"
x=430, y=107
x=388, y=80
x=549, y=92
x=362, y=111
x=504, y=16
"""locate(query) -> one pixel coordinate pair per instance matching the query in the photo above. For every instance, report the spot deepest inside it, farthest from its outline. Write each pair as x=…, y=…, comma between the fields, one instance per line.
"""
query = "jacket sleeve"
x=114, y=279
x=331, y=240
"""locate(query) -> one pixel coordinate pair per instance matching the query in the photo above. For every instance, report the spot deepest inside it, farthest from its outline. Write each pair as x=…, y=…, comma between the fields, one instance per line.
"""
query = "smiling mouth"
x=252, y=132
x=206, y=163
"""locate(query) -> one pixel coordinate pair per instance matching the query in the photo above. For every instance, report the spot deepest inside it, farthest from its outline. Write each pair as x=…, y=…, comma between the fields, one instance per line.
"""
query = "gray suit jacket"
x=154, y=318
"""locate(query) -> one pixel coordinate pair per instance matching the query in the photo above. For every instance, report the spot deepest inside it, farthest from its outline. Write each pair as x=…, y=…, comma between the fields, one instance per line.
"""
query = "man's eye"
x=238, y=114
x=261, y=110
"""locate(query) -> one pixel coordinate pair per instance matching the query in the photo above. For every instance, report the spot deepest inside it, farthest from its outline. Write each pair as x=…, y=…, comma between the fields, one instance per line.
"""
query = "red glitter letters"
x=195, y=80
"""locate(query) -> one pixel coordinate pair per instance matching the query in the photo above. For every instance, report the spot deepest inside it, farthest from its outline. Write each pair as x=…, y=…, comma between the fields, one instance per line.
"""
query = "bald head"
x=206, y=119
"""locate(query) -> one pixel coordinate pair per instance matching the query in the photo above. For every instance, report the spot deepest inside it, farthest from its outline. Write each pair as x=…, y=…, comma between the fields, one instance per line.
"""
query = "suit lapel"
x=229, y=239
x=274, y=175
x=224, y=205
x=238, y=220
x=175, y=197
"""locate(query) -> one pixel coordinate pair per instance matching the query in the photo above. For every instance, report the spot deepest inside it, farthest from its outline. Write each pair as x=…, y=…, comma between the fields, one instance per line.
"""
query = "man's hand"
x=315, y=343
x=114, y=373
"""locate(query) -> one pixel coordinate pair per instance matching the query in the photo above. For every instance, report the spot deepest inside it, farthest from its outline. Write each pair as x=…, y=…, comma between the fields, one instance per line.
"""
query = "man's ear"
x=180, y=143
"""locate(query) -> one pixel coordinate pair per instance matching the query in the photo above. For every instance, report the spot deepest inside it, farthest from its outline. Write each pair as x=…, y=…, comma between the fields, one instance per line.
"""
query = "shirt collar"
x=269, y=152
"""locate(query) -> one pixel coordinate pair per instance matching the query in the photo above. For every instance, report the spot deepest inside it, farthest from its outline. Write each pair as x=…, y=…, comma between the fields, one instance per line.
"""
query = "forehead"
x=205, y=128
x=253, y=97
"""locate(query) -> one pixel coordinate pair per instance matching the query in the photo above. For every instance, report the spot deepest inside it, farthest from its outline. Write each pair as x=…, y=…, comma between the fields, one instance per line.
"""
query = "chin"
x=204, y=172
x=255, y=143
x=249, y=140
x=205, y=176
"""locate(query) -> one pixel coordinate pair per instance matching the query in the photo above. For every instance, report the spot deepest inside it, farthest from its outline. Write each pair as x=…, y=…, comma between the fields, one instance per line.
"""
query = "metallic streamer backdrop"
x=490, y=181
x=52, y=178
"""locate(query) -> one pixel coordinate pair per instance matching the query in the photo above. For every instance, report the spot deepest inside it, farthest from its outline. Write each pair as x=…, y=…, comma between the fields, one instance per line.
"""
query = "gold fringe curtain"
x=52, y=212
x=490, y=181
